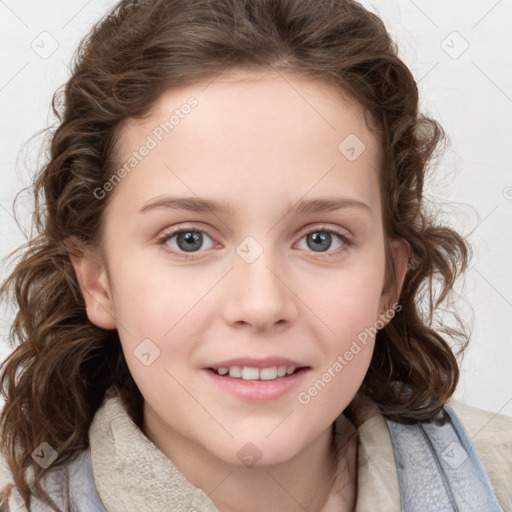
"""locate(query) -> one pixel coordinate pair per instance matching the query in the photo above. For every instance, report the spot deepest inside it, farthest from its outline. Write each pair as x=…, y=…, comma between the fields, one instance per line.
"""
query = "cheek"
x=349, y=309
x=331, y=389
x=149, y=300
x=152, y=307
x=349, y=301
x=156, y=308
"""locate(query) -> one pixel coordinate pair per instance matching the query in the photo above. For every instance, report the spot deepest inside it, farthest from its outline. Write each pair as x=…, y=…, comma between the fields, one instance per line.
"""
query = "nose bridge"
x=257, y=291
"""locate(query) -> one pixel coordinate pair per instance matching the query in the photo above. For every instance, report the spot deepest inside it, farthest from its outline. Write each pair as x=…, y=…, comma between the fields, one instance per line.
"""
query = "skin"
x=257, y=140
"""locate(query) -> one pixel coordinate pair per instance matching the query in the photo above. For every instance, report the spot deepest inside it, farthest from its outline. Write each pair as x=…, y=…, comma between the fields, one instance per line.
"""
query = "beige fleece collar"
x=377, y=477
x=132, y=474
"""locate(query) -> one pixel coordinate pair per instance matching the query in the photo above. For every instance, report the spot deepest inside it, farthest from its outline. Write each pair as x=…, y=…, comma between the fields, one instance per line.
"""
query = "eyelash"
x=162, y=240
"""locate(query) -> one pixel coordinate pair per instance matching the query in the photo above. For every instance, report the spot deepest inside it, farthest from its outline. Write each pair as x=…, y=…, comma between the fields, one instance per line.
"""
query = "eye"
x=184, y=240
x=321, y=239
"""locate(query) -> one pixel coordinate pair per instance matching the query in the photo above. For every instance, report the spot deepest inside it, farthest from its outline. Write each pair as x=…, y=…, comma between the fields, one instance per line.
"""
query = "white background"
x=469, y=92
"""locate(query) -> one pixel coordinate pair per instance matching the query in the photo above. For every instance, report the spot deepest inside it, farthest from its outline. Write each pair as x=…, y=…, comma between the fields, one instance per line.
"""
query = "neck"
x=318, y=479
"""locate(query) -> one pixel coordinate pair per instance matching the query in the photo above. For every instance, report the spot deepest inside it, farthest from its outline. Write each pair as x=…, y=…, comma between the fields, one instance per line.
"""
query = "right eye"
x=183, y=240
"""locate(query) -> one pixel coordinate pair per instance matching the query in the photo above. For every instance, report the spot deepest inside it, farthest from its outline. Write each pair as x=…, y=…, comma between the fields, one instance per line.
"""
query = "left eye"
x=321, y=240
x=191, y=241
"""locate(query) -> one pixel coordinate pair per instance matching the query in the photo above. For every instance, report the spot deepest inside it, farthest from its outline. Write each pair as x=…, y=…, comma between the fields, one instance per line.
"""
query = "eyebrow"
x=201, y=205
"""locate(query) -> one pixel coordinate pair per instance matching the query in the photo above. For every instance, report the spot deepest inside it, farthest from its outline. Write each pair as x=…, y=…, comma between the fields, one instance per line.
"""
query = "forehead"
x=264, y=130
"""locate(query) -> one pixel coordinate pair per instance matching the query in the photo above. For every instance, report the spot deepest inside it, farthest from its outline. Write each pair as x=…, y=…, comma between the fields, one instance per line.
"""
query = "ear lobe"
x=95, y=287
x=400, y=254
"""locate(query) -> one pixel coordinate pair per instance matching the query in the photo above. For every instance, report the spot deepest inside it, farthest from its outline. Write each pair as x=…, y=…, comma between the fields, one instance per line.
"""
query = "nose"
x=258, y=294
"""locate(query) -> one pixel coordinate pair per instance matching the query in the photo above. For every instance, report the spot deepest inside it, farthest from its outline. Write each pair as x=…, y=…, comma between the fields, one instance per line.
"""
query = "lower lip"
x=259, y=390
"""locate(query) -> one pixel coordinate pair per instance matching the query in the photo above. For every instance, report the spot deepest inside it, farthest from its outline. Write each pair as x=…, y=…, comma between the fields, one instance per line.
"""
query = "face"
x=274, y=263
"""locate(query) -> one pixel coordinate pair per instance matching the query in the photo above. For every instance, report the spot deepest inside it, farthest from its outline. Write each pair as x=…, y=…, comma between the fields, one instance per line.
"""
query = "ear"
x=94, y=284
x=400, y=254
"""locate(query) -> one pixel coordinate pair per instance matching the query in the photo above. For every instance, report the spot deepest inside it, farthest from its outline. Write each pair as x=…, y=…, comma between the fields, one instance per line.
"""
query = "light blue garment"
x=82, y=488
x=438, y=467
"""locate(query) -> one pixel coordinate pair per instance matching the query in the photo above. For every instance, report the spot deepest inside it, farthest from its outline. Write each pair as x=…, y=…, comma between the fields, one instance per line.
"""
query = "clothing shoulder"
x=491, y=435
x=74, y=477
x=6, y=486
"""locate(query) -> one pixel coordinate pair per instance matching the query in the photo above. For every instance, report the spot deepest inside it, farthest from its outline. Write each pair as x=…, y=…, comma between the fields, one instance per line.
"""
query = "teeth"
x=268, y=373
x=250, y=373
x=235, y=371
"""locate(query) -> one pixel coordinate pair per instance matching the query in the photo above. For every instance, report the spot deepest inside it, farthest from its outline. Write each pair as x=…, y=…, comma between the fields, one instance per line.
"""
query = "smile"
x=257, y=384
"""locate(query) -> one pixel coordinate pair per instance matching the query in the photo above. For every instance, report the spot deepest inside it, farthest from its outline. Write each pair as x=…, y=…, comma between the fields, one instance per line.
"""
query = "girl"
x=228, y=305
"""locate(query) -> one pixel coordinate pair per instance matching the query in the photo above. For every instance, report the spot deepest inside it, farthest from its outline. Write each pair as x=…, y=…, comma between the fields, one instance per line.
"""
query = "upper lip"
x=253, y=362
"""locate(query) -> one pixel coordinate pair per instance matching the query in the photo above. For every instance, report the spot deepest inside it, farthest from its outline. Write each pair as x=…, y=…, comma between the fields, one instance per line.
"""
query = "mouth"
x=257, y=380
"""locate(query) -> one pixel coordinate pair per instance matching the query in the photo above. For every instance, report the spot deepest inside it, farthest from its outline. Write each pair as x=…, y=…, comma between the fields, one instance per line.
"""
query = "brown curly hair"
x=56, y=378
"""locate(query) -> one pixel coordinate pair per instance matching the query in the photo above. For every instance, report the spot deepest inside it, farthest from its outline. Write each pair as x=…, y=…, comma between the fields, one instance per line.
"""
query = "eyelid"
x=311, y=228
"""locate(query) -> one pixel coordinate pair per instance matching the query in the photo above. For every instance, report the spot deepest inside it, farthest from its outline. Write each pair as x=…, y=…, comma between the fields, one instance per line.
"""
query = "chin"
x=258, y=451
